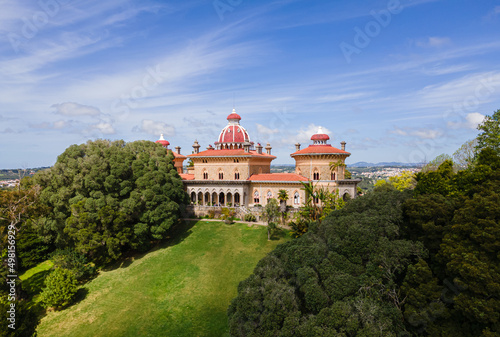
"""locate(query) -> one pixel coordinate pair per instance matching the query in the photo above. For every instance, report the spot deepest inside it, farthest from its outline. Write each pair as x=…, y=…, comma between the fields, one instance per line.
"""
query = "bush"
x=60, y=289
x=74, y=262
x=250, y=217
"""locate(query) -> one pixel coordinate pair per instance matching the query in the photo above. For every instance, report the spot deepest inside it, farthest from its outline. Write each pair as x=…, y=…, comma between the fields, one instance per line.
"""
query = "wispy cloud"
x=434, y=41
x=155, y=128
x=75, y=109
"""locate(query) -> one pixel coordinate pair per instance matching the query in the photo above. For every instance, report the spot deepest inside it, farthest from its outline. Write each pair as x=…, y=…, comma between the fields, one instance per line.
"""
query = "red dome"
x=320, y=136
x=233, y=134
x=234, y=115
x=162, y=141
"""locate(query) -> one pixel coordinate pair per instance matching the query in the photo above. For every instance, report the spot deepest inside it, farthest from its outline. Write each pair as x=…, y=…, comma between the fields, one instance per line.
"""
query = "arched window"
x=236, y=175
x=296, y=198
x=256, y=198
x=205, y=175
x=269, y=195
x=316, y=174
x=333, y=175
x=221, y=175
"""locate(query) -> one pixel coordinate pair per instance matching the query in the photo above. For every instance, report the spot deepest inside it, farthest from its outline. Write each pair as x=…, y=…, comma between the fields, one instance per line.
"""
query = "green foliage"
x=340, y=278
x=107, y=197
x=490, y=135
x=437, y=181
x=436, y=162
x=26, y=318
x=250, y=217
x=319, y=203
x=31, y=248
x=270, y=214
x=466, y=154
x=228, y=214
x=455, y=291
x=405, y=180
x=60, y=289
x=73, y=261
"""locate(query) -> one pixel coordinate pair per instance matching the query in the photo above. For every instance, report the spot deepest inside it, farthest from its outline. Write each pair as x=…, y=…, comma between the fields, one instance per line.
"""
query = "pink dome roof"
x=162, y=141
x=320, y=135
x=323, y=136
x=234, y=115
x=233, y=132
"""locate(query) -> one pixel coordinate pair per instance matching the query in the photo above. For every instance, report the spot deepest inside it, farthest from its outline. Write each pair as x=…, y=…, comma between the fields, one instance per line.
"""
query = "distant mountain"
x=392, y=164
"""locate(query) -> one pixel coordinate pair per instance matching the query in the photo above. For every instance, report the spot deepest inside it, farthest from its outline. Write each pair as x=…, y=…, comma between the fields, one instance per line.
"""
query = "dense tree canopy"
x=339, y=279
x=107, y=196
x=490, y=133
x=415, y=263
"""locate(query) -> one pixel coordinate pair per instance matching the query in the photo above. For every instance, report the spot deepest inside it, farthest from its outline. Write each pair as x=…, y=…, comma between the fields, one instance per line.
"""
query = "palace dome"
x=233, y=135
x=162, y=141
x=320, y=136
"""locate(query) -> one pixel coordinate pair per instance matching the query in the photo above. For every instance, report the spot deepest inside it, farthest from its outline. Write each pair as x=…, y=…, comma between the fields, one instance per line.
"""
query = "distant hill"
x=391, y=164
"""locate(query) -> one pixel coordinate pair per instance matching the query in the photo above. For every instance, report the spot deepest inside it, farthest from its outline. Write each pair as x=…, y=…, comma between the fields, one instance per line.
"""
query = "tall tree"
x=106, y=197
x=490, y=135
x=466, y=154
x=270, y=214
x=283, y=198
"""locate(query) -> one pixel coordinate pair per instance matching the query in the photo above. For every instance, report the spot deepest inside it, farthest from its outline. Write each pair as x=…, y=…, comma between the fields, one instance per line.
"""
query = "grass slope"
x=181, y=289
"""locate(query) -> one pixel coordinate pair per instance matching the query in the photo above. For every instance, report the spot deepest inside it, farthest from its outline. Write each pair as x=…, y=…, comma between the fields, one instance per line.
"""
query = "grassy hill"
x=180, y=289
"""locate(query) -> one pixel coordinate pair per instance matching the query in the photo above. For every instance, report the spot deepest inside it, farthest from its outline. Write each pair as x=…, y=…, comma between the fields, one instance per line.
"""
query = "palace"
x=236, y=172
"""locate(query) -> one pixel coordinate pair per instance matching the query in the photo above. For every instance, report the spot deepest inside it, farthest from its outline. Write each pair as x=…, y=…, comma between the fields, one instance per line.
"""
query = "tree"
x=108, y=197
x=466, y=154
x=401, y=182
x=436, y=162
x=283, y=198
x=490, y=136
x=60, y=289
x=339, y=279
x=454, y=291
x=228, y=215
x=270, y=214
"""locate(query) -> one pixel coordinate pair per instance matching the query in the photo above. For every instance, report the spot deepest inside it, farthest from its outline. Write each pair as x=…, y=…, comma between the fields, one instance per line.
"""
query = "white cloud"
x=103, y=127
x=155, y=128
x=472, y=120
x=423, y=133
x=304, y=135
x=434, y=41
x=75, y=109
x=265, y=131
x=398, y=131
x=427, y=133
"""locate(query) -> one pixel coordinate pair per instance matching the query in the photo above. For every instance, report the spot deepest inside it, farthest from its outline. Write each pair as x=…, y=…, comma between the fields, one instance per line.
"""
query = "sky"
x=398, y=80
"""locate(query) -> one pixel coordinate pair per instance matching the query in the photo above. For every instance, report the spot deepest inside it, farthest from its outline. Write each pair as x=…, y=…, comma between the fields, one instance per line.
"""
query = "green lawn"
x=181, y=289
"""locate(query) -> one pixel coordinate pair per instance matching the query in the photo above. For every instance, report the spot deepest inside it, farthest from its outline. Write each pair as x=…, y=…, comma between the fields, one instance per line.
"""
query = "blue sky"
x=398, y=80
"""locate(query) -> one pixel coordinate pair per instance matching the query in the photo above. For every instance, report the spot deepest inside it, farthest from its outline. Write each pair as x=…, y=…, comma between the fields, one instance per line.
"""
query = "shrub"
x=250, y=217
x=74, y=262
x=60, y=289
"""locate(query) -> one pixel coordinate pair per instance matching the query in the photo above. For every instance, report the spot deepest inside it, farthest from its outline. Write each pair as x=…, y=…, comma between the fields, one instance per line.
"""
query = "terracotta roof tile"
x=320, y=149
x=187, y=176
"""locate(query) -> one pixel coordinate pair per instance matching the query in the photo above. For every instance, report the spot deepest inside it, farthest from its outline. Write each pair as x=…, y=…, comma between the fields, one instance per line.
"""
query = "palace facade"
x=236, y=172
